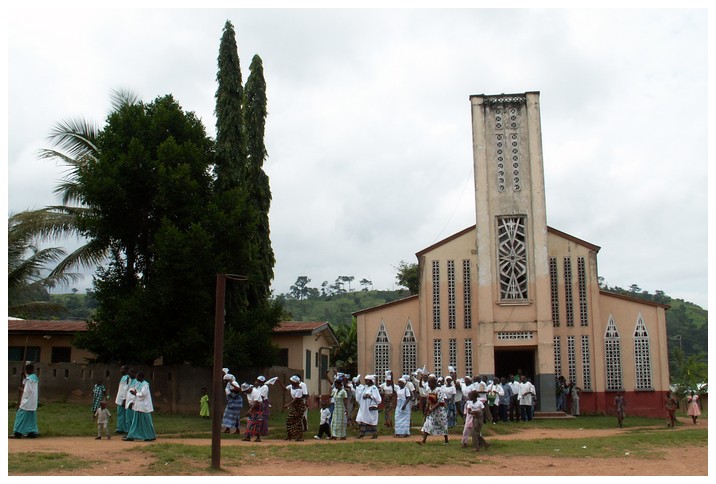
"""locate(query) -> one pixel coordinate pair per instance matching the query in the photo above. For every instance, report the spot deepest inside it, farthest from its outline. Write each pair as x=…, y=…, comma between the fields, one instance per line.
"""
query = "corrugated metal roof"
x=298, y=326
x=46, y=326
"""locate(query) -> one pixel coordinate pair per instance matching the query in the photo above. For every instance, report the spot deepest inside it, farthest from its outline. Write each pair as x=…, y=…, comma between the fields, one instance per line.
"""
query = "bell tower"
x=513, y=285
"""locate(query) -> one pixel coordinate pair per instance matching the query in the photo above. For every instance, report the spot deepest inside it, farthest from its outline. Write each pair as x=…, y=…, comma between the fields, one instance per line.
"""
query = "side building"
x=512, y=295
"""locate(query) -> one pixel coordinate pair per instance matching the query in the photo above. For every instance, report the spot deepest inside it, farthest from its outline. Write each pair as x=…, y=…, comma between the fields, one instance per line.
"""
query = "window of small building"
x=24, y=353
x=308, y=364
x=61, y=354
x=283, y=357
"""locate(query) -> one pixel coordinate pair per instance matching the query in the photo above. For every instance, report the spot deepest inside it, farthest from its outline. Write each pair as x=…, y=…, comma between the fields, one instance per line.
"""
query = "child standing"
x=204, y=404
x=102, y=415
x=325, y=427
x=671, y=406
x=620, y=406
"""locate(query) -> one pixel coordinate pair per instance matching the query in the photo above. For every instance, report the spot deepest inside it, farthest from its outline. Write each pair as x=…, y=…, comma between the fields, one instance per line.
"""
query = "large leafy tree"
x=148, y=198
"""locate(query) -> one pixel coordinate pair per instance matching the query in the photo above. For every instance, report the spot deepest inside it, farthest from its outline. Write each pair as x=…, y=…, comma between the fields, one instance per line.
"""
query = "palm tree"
x=74, y=144
x=345, y=355
x=29, y=276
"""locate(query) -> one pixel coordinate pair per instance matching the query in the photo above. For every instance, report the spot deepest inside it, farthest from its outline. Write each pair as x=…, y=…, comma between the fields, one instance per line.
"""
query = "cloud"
x=368, y=135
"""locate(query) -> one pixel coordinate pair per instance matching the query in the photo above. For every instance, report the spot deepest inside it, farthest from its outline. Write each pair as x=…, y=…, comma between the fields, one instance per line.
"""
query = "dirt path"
x=681, y=461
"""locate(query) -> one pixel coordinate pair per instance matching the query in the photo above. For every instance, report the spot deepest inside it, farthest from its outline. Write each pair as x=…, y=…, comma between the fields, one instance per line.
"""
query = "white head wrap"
x=245, y=386
x=295, y=379
x=229, y=377
x=261, y=379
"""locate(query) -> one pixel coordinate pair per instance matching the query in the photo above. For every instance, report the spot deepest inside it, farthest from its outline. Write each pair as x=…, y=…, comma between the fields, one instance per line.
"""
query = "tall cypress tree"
x=259, y=190
x=230, y=146
x=242, y=198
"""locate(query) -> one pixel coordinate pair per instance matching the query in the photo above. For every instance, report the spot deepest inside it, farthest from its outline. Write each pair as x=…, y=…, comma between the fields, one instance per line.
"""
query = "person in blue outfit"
x=142, y=425
x=122, y=426
x=26, y=417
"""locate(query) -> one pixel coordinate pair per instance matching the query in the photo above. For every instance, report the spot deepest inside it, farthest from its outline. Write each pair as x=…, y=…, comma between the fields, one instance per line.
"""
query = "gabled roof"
x=446, y=240
x=633, y=299
x=306, y=328
x=391, y=303
x=44, y=326
x=574, y=239
x=552, y=230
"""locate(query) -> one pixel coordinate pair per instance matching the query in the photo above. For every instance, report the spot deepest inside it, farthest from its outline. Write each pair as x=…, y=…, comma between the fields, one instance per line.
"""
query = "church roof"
x=574, y=239
x=552, y=230
x=381, y=306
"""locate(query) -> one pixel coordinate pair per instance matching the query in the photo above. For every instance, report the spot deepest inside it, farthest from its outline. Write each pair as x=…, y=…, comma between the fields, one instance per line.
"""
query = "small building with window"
x=511, y=295
x=306, y=345
x=45, y=341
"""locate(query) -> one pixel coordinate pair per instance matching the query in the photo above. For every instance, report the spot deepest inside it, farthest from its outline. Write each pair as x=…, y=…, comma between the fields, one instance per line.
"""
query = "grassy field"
x=647, y=436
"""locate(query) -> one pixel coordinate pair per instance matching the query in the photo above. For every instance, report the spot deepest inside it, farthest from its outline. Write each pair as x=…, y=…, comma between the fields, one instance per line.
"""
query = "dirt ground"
x=680, y=461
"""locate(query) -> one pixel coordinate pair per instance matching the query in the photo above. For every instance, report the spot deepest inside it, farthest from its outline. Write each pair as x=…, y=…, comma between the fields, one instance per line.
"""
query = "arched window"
x=381, y=353
x=642, y=355
x=613, y=356
x=409, y=347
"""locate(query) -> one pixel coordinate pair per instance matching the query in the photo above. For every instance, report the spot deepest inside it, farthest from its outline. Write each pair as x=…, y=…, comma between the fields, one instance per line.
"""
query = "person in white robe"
x=26, y=416
x=368, y=398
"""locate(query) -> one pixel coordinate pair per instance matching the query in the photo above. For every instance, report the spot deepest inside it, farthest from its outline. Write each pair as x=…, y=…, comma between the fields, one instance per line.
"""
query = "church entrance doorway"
x=509, y=360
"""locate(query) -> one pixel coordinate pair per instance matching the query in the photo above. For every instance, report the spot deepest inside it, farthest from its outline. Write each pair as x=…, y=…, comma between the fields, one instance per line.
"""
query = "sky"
x=368, y=133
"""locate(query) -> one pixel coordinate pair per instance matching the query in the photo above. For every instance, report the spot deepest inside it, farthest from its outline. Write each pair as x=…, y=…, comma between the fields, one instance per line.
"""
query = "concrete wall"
x=175, y=389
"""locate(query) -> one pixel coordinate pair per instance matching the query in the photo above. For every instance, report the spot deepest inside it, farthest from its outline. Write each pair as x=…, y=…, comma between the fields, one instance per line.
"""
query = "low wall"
x=175, y=389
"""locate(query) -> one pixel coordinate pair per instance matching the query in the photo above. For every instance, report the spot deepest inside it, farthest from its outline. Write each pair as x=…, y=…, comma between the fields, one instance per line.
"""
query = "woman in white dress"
x=368, y=398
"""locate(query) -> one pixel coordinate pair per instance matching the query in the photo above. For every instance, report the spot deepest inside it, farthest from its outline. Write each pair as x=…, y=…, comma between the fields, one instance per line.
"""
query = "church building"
x=511, y=294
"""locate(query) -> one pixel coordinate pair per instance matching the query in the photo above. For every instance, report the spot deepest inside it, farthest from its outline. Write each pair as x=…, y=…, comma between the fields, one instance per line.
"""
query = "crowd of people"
x=439, y=403
x=567, y=396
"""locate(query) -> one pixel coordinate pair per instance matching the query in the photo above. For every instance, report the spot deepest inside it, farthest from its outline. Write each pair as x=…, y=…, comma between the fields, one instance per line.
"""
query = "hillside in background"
x=686, y=323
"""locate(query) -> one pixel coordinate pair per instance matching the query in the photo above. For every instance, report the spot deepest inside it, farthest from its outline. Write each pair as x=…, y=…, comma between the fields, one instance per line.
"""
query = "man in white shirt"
x=481, y=387
x=494, y=392
x=527, y=394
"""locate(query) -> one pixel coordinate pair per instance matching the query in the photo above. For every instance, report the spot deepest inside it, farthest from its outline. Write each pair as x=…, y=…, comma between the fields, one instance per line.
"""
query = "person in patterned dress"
x=435, y=412
x=255, y=415
x=339, y=421
x=99, y=393
x=232, y=412
x=296, y=408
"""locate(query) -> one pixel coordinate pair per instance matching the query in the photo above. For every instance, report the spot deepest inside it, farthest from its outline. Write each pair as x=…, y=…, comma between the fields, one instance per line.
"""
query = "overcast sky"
x=368, y=134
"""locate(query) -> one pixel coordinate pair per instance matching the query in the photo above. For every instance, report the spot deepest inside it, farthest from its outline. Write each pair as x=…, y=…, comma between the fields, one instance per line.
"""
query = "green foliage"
x=409, y=276
x=345, y=355
x=686, y=328
x=147, y=194
x=30, y=274
x=336, y=308
x=243, y=199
